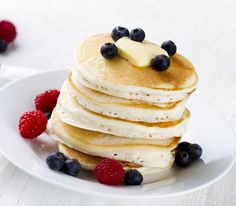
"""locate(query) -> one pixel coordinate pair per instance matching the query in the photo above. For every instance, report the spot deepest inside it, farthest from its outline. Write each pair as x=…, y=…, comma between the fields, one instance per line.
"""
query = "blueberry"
x=48, y=115
x=72, y=167
x=3, y=45
x=119, y=32
x=109, y=50
x=161, y=62
x=55, y=160
x=133, y=177
x=195, y=151
x=137, y=35
x=170, y=47
x=182, y=159
x=182, y=146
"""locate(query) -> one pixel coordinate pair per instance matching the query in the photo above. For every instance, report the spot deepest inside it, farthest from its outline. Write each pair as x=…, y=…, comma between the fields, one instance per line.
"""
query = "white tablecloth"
x=49, y=30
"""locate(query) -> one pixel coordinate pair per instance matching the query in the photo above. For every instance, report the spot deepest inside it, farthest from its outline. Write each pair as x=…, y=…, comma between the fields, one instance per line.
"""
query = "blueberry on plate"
x=182, y=146
x=137, y=35
x=170, y=47
x=48, y=115
x=109, y=50
x=161, y=62
x=182, y=159
x=55, y=160
x=3, y=45
x=195, y=151
x=72, y=167
x=119, y=32
x=133, y=177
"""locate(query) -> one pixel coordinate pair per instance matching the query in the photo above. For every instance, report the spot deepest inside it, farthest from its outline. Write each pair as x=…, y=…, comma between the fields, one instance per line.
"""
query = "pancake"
x=123, y=108
x=101, y=145
x=71, y=112
x=89, y=162
x=74, y=79
x=117, y=77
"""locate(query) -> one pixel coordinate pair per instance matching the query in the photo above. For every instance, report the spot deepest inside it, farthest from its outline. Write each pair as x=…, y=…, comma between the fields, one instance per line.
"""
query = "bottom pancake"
x=89, y=162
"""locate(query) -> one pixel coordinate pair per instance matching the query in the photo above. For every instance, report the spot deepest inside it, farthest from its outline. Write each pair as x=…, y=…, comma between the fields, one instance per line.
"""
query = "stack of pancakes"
x=112, y=109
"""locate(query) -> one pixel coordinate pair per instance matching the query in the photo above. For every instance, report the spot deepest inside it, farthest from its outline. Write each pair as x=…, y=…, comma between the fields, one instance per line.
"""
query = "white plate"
x=206, y=127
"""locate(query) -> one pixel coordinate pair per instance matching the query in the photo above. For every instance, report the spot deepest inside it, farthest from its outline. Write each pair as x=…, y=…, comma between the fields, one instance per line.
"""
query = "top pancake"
x=180, y=75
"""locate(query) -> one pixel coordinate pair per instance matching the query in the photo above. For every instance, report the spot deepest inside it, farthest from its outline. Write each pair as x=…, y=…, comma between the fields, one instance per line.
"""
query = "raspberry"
x=7, y=31
x=32, y=124
x=110, y=172
x=46, y=101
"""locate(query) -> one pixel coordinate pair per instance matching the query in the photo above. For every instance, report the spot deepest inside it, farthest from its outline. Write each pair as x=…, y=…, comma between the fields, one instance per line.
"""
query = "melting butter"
x=139, y=54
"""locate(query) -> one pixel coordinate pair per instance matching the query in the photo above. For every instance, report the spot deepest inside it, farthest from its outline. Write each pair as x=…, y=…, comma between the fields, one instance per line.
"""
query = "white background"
x=49, y=30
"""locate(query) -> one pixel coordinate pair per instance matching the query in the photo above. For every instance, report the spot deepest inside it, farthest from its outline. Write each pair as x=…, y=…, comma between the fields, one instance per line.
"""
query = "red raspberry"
x=110, y=172
x=32, y=124
x=7, y=31
x=46, y=101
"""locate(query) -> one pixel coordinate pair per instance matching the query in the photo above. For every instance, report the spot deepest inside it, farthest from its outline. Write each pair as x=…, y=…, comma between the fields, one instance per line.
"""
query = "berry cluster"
x=107, y=171
x=58, y=161
x=186, y=153
x=7, y=34
x=159, y=62
x=109, y=50
x=111, y=172
x=33, y=123
x=136, y=34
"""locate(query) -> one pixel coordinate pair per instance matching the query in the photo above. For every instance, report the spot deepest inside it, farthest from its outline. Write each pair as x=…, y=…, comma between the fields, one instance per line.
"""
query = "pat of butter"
x=139, y=54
